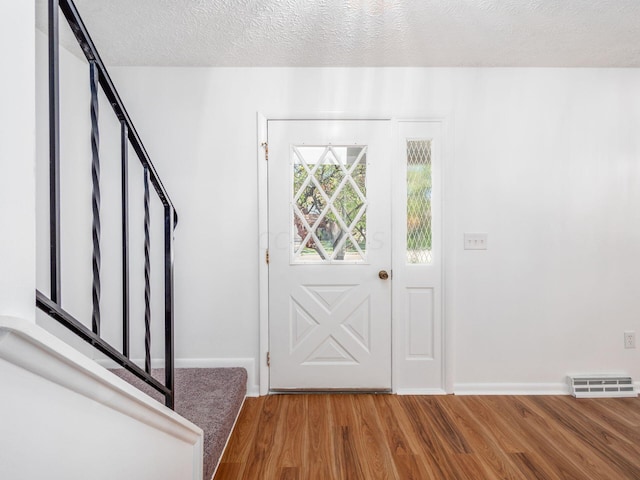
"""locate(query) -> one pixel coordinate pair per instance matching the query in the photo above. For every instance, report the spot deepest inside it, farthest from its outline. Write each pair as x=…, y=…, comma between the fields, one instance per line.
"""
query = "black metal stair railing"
x=99, y=78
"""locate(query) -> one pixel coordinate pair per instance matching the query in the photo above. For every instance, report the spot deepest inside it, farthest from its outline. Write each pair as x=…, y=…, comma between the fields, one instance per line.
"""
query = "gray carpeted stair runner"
x=209, y=397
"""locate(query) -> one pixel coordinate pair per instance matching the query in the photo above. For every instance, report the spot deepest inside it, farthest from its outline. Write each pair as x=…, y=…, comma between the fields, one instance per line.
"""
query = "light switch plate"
x=475, y=241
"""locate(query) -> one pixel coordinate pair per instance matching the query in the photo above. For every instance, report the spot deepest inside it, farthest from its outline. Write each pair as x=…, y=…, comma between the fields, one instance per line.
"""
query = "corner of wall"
x=17, y=150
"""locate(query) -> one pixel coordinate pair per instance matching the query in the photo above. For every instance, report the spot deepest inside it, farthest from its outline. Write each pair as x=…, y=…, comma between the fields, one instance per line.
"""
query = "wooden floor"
x=434, y=437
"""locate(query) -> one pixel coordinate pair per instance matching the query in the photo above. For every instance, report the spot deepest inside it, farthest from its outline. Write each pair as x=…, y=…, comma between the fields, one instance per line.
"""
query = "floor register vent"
x=601, y=386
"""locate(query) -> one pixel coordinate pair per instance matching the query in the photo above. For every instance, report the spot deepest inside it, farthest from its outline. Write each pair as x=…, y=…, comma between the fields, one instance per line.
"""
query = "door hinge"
x=265, y=145
x=268, y=359
x=266, y=256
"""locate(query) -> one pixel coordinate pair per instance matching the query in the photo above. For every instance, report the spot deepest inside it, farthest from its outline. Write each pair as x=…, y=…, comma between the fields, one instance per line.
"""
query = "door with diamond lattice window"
x=330, y=254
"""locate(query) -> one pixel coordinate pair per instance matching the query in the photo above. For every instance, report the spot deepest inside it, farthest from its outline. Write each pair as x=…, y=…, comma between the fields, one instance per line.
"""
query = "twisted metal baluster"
x=95, y=196
x=147, y=277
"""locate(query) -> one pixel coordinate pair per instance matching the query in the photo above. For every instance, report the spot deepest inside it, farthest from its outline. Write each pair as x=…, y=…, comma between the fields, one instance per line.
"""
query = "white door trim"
x=263, y=240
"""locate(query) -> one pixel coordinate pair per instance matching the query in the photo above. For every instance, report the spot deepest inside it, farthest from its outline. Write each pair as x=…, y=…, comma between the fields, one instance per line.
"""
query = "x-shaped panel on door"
x=329, y=324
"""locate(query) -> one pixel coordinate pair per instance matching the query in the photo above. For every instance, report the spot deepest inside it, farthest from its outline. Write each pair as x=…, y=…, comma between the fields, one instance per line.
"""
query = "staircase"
x=208, y=398
x=211, y=398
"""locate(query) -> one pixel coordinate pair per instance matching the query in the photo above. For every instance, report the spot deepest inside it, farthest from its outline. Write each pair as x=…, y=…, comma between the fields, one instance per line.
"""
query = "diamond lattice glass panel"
x=329, y=204
x=419, y=201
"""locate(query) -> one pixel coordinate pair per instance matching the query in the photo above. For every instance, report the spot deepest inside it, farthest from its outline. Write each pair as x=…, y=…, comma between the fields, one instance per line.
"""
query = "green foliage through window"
x=345, y=194
x=419, y=201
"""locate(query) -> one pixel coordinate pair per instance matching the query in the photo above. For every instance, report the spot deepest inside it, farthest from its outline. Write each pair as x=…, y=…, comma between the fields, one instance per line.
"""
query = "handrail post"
x=54, y=153
x=124, y=178
x=169, y=226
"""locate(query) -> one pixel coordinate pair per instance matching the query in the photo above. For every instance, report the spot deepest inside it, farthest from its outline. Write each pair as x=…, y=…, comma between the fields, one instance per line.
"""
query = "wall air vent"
x=601, y=386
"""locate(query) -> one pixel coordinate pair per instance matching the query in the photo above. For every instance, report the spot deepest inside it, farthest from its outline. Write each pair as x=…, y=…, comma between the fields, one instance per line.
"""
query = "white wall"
x=543, y=160
x=75, y=188
x=547, y=163
x=17, y=160
x=76, y=211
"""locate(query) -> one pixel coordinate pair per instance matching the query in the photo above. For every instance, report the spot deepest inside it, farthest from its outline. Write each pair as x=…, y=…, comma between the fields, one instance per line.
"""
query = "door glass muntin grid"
x=328, y=204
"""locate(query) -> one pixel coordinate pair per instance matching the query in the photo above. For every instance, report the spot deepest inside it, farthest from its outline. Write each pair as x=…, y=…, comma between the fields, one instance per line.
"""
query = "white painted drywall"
x=76, y=212
x=17, y=161
x=75, y=188
x=543, y=160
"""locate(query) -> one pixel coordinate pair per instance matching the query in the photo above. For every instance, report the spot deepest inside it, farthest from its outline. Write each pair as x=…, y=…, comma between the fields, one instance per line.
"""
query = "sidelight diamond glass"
x=419, y=235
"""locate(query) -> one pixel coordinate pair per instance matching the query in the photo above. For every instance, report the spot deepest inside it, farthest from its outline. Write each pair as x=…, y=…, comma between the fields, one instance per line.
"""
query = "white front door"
x=330, y=249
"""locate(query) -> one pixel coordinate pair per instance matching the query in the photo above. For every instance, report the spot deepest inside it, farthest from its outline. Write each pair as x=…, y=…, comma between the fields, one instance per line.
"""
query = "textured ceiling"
x=572, y=33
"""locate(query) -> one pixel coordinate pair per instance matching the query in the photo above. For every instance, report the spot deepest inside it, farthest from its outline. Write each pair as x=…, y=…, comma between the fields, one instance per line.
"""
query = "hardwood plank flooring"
x=361, y=436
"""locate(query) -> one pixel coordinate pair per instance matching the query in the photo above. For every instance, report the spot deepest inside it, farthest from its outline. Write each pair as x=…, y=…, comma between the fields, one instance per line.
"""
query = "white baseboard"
x=510, y=389
x=420, y=391
x=249, y=364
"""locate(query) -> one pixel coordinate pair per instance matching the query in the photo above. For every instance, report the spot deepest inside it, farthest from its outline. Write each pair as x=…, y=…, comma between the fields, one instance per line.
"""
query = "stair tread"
x=209, y=397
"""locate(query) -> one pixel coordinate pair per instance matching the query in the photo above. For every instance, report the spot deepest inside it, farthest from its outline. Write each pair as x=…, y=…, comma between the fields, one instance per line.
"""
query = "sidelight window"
x=419, y=235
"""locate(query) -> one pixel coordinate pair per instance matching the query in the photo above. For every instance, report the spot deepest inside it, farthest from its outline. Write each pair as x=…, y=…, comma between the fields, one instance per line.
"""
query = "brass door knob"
x=383, y=274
